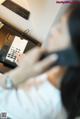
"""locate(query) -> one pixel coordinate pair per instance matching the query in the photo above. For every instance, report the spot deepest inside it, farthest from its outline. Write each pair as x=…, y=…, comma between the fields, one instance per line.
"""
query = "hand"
x=31, y=66
x=31, y=61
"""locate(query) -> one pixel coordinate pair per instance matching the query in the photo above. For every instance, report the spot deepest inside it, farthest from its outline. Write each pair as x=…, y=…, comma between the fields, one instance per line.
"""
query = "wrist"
x=8, y=83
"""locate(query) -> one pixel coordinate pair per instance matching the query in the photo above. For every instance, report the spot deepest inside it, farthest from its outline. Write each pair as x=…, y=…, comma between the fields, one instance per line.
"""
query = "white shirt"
x=42, y=102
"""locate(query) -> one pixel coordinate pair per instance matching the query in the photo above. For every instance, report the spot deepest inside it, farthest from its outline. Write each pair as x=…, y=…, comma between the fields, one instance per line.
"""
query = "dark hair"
x=70, y=85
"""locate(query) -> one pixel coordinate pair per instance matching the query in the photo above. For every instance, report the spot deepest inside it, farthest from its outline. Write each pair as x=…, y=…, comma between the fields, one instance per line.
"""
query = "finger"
x=34, y=54
x=43, y=65
x=19, y=58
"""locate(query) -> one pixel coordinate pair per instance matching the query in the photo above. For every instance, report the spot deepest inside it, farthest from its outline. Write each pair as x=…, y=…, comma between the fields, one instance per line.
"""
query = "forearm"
x=19, y=75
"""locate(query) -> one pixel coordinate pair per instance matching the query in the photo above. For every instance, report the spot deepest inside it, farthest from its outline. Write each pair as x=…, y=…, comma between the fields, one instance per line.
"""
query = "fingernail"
x=53, y=57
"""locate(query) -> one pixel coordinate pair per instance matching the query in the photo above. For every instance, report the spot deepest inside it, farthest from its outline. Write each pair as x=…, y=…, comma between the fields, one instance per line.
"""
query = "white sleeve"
x=41, y=102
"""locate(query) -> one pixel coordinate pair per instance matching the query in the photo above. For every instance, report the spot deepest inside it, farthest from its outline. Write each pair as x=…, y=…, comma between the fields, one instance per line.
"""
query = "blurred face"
x=59, y=38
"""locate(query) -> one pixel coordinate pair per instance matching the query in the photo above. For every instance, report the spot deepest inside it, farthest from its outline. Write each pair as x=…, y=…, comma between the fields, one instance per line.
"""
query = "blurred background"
x=43, y=13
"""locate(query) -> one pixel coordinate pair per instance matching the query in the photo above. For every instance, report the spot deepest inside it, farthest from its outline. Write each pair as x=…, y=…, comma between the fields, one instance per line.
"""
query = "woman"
x=70, y=86
x=39, y=99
